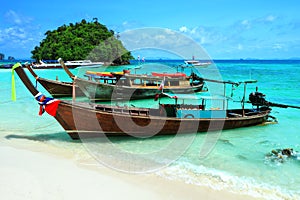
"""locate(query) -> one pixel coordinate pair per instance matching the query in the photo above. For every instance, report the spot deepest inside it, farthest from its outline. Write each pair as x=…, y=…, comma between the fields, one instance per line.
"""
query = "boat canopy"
x=206, y=102
x=195, y=96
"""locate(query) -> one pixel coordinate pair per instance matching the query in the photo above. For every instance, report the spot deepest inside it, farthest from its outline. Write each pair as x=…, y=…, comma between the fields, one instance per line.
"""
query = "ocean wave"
x=220, y=180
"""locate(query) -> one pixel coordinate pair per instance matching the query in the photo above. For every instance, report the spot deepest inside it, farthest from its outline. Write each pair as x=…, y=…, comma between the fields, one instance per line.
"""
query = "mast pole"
x=243, y=100
x=224, y=95
x=71, y=75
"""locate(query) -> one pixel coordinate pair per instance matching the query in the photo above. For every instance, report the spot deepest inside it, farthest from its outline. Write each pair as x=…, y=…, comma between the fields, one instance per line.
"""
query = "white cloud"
x=193, y=31
x=270, y=18
x=15, y=32
x=19, y=35
x=2, y=37
x=163, y=39
x=125, y=25
x=15, y=18
x=204, y=35
x=277, y=46
x=203, y=40
x=246, y=24
x=160, y=37
x=240, y=47
x=183, y=29
x=12, y=15
x=261, y=37
x=169, y=31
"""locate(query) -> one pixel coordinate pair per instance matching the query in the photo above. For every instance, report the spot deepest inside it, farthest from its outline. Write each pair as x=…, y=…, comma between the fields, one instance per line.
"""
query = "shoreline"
x=58, y=174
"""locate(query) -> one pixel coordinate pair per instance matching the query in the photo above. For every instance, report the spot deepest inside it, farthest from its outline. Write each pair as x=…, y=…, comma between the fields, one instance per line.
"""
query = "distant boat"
x=197, y=63
x=70, y=64
x=81, y=119
x=6, y=66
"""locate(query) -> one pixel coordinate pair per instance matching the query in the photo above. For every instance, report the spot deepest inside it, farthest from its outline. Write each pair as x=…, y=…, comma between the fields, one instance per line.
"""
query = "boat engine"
x=258, y=99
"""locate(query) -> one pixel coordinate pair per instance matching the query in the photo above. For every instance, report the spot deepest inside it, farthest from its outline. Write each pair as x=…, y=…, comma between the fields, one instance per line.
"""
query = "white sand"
x=39, y=175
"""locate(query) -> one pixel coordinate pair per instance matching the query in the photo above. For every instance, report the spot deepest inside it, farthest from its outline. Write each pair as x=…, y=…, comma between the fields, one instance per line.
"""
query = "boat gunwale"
x=82, y=80
x=93, y=108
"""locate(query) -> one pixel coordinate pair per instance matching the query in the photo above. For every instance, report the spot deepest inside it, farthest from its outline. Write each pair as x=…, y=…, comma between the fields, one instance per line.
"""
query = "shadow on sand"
x=63, y=137
x=60, y=136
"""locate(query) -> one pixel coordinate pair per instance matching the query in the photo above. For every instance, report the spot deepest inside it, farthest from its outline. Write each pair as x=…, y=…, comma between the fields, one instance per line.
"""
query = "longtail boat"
x=56, y=88
x=126, y=86
x=93, y=120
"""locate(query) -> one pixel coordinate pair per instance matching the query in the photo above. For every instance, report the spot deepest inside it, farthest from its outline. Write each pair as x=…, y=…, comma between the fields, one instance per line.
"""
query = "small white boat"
x=70, y=64
x=196, y=63
x=83, y=63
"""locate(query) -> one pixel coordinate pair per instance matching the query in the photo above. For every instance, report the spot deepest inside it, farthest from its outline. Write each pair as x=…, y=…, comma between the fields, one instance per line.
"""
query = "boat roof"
x=230, y=82
x=151, y=77
x=195, y=96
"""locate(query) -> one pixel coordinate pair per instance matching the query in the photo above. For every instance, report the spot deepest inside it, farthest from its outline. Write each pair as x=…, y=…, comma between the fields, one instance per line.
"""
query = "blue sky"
x=226, y=29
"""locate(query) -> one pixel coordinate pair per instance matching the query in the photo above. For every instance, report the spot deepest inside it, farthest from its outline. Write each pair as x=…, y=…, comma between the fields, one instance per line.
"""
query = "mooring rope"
x=46, y=126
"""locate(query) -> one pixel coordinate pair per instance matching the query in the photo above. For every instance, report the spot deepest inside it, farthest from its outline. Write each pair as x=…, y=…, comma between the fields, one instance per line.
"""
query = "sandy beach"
x=50, y=173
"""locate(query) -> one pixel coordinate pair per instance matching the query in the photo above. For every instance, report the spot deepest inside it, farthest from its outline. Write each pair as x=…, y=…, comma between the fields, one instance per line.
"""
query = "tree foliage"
x=84, y=40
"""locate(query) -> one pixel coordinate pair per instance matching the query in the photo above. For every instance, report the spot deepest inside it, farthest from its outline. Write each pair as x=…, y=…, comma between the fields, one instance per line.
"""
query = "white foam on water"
x=219, y=180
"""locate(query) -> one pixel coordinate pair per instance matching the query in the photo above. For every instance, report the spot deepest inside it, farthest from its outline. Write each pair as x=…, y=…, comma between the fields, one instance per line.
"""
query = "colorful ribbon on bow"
x=13, y=84
x=47, y=104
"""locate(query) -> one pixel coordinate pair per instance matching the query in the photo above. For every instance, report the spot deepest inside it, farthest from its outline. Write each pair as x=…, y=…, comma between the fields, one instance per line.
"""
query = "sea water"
x=238, y=160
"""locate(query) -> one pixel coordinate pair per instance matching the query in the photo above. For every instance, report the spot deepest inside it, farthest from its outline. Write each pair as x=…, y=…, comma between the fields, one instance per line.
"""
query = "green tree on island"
x=84, y=40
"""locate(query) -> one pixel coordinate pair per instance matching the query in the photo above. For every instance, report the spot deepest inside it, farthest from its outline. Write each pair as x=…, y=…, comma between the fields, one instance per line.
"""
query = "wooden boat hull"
x=96, y=91
x=72, y=118
x=59, y=89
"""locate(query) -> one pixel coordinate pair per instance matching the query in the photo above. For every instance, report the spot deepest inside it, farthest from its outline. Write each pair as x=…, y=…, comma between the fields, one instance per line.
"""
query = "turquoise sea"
x=239, y=160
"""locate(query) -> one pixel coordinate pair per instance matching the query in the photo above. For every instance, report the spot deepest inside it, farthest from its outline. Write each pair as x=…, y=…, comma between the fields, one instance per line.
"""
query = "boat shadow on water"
x=59, y=136
x=62, y=137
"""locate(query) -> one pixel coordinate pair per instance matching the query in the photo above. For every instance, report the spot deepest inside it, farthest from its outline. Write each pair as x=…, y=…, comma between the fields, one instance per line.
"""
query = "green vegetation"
x=84, y=40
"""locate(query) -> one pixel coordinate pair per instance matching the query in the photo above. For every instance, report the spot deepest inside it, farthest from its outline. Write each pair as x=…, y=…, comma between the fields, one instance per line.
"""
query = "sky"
x=226, y=29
